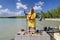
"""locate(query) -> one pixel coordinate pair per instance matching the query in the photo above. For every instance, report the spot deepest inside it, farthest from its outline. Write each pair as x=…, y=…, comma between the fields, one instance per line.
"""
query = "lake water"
x=9, y=27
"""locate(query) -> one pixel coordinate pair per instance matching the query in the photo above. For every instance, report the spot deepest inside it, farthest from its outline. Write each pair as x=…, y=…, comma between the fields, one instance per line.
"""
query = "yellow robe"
x=31, y=22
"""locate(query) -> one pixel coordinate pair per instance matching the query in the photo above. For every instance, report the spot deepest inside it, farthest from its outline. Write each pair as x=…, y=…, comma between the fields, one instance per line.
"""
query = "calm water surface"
x=9, y=27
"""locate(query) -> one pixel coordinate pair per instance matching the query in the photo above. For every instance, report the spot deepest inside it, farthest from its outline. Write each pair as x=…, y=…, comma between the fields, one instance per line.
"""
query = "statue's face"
x=32, y=10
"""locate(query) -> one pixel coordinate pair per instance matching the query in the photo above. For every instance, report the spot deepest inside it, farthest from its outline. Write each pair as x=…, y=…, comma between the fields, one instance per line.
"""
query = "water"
x=9, y=27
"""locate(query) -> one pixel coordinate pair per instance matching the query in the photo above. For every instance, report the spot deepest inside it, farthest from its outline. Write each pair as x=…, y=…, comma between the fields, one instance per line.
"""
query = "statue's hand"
x=28, y=17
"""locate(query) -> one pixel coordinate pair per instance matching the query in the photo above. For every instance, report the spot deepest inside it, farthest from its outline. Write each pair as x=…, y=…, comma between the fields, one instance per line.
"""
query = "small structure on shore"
x=32, y=33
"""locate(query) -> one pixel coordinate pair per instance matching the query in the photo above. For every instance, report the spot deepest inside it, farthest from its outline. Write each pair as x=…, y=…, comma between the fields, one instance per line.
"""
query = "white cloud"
x=10, y=13
x=19, y=13
x=20, y=5
x=4, y=11
x=0, y=6
x=37, y=8
x=19, y=0
x=38, y=5
x=13, y=13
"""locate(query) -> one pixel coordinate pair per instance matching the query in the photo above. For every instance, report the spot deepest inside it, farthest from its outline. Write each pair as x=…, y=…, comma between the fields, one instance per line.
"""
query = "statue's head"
x=32, y=10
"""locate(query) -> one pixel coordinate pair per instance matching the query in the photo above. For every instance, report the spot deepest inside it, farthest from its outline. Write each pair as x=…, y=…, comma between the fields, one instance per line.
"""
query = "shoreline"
x=52, y=19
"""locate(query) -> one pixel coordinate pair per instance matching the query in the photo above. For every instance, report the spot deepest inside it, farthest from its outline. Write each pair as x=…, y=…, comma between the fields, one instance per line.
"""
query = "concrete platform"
x=43, y=36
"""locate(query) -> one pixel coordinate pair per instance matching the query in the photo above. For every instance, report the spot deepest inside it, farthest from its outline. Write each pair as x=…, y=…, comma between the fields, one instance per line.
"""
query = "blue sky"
x=16, y=7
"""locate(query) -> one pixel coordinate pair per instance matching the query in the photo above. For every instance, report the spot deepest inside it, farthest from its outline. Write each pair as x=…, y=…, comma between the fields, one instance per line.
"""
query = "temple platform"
x=35, y=36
